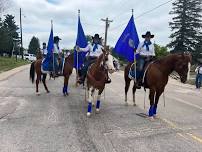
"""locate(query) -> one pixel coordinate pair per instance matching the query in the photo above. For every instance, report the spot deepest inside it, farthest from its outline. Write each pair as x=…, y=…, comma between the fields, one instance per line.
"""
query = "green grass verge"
x=7, y=63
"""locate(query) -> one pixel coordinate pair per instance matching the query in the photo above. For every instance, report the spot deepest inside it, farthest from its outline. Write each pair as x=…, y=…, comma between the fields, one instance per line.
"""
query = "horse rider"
x=57, y=53
x=44, y=50
x=94, y=50
x=146, y=52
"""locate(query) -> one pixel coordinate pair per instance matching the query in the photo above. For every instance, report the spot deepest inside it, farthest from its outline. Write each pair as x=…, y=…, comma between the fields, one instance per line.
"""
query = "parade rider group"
x=94, y=50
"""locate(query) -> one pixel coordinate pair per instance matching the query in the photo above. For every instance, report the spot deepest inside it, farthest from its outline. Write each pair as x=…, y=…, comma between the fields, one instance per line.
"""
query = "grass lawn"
x=7, y=63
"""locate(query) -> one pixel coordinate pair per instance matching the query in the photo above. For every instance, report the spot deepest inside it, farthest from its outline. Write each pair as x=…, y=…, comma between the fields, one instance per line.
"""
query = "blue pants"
x=87, y=63
x=198, y=80
x=56, y=66
x=140, y=64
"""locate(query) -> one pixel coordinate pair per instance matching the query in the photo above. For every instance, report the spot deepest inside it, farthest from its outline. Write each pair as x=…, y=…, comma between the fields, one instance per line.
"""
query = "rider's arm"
x=86, y=49
x=197, y=68
x=138, y=50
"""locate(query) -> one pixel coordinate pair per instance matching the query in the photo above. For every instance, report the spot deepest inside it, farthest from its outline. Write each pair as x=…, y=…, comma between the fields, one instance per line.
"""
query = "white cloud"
x=64, y=15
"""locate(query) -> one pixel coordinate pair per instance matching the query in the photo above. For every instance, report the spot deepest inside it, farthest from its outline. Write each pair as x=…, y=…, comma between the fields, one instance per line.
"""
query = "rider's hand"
x=77, y=48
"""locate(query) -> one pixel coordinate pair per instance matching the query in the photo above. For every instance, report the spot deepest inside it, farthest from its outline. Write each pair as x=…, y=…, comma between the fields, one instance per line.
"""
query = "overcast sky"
x=37, y=15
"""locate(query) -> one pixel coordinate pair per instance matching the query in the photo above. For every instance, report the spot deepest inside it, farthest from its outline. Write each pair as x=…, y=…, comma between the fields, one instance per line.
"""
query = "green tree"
x=185, y=26
x=34, y=45
x=89, y=38
x=160, y=51
x=8, y=35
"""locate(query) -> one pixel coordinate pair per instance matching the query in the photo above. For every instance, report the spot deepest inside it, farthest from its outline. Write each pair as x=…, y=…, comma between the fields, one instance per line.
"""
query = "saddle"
x=138, y=75
x=48, y=67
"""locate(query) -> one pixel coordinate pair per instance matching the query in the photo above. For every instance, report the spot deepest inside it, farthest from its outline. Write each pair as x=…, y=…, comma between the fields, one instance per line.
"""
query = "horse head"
x=108, y=60
x=182, y=65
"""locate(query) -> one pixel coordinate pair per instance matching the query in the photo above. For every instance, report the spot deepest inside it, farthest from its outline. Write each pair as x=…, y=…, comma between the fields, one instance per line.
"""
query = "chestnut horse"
x=96, y=78
x=156, y=77
x=36, y=67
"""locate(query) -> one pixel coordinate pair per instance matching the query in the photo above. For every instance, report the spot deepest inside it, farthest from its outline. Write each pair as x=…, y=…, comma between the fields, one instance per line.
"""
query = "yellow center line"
x=195, y=137
x=179, y=134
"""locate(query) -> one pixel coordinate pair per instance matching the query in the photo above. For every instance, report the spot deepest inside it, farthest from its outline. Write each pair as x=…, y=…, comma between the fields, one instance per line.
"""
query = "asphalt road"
x=52, y=122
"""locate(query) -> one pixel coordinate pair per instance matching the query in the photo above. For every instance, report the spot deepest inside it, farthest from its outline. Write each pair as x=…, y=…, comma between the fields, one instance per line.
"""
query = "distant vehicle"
x=30, y=57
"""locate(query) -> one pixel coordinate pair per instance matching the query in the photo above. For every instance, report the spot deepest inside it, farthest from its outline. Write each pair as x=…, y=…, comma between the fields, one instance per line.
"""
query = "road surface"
x=54, y=123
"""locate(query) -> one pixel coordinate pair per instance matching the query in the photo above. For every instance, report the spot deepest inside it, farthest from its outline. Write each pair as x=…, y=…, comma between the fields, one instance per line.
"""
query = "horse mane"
x=99, y=60
x=170, y=56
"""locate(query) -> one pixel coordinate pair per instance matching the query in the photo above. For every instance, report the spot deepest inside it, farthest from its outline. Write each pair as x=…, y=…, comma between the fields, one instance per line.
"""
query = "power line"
x=153, y=9
x=144, y=13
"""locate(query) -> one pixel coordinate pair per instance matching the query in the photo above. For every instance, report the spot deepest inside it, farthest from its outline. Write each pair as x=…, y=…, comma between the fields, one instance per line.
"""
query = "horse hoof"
x=134, y=104
x=88, y=114
x=151, y=118
x=38, y=93
x=126, y=103
x=97, y=110
x=48, y=91
x=156, y=117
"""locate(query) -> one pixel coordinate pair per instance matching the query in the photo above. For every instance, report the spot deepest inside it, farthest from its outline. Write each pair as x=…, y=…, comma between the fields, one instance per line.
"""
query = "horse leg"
x=127, y=85
x=65, y=88
x=98, y=101
x=44, y=82
x=134, y=90
x=90, y=98
x=158, y=94
x=37, y=84
x=151, y=98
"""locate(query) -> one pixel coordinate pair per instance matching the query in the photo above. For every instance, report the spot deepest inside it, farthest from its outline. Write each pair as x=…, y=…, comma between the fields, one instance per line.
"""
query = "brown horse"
x=36, y=67
x=156, y=77
x=96, y=78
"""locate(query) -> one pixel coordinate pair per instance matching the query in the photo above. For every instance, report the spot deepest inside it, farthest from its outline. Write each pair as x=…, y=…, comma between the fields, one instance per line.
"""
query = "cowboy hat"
x=96, y=36
x=148, y=33
x=57, y=38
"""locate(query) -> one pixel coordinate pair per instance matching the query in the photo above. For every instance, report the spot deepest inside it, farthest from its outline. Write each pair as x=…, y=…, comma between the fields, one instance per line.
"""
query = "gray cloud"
x=64, y=15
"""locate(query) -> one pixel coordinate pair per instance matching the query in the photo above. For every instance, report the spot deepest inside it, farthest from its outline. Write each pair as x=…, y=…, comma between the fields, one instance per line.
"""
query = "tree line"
x=9, y=36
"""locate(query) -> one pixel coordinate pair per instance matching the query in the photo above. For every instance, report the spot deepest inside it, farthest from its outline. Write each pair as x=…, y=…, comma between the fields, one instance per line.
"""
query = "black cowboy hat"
x=56, y=38
x=96, y=36
x=148, y=33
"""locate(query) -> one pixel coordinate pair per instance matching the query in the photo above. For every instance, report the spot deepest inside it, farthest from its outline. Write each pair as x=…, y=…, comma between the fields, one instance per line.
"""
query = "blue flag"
x=128, y=41
x=48, y=61
x=82, y=43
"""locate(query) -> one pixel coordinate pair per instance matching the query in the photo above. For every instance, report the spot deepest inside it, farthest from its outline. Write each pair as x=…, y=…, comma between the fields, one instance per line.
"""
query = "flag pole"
x=135, y=58
x=53, y=52
x=77, y=58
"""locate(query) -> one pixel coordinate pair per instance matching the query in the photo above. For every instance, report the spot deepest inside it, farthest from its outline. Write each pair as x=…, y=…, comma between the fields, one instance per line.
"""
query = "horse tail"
x=32, y=72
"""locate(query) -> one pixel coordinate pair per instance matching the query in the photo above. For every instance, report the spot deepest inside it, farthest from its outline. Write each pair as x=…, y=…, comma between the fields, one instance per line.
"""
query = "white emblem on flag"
x=131, y=43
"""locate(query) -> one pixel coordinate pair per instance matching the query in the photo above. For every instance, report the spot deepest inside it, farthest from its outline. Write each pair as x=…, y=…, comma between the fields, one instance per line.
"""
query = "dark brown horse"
x=96, y=78
x=156, y=77
x=36, y=67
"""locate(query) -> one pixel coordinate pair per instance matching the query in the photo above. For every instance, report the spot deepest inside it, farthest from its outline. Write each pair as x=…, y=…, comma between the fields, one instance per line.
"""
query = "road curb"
x=5, y=75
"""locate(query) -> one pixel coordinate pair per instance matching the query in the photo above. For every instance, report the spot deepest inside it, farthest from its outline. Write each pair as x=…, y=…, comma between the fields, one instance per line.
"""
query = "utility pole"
x=21, y=46
x=107, y=22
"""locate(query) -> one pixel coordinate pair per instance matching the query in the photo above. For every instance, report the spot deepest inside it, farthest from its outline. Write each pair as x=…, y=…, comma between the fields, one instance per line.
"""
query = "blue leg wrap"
x=151, y=111
x=65, y=89
x=90, y=107
x=154, y=110
x=98, y=104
